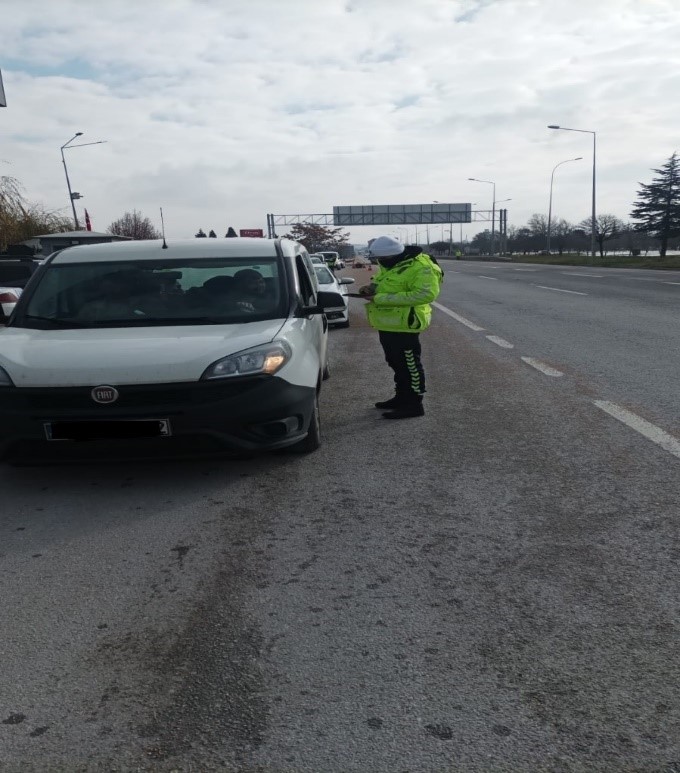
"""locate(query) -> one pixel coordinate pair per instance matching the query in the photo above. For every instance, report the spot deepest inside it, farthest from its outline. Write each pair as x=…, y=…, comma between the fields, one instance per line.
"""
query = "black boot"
x=406, y=410
x=392, y=403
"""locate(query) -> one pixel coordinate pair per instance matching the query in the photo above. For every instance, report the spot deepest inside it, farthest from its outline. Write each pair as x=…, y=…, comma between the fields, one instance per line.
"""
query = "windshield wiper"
x=161, y=321
x=56, y=321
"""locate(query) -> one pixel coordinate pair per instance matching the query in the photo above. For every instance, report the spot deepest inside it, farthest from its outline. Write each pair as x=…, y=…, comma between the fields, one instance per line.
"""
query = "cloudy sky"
x=223, y=110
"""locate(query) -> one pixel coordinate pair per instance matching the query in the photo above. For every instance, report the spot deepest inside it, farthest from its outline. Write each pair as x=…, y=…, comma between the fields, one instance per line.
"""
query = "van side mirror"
x=326, y=301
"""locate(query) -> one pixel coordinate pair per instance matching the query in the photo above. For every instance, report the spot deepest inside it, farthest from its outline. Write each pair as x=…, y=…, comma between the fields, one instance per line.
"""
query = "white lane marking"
x=644, y=427
x=457, y=317
x=672, y=283
x=501, y=342
x=574, y=273
x=525, y=269
x=559, y=290
x=481, y=276
x=546, y=369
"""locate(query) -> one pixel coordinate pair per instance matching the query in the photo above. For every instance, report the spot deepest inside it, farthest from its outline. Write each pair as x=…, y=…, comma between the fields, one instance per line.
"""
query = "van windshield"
x=144, y=293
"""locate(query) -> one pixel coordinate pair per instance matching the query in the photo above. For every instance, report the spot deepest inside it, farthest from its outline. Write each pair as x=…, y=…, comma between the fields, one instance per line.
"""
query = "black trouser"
x=402, y=352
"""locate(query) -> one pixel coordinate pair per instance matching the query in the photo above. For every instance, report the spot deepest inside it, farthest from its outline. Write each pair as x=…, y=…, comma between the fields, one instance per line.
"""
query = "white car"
x=317, y=260
x=137, y=349
x=8, y=299
x=328, y=281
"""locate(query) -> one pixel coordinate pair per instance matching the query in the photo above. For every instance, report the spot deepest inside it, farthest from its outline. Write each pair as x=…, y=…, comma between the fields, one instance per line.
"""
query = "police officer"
x=399, y=309
x=332, y=262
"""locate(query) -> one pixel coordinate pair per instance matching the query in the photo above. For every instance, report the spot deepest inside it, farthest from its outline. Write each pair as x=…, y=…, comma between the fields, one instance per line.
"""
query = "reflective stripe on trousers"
x=402, y=353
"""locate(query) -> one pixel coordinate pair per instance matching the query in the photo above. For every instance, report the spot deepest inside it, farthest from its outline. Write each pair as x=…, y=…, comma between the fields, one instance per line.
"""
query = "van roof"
x=239, y=247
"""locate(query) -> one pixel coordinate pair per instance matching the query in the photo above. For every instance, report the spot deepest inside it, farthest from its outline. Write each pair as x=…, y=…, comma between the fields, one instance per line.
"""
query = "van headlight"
x=265, y=359
x=5, y=380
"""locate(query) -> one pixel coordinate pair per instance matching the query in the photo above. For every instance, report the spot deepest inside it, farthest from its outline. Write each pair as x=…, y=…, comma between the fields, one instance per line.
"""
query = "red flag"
x=88, y=224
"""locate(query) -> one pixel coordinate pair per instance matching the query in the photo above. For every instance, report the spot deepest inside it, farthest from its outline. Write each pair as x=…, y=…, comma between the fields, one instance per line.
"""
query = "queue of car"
x=199, y=346
x=329, y=281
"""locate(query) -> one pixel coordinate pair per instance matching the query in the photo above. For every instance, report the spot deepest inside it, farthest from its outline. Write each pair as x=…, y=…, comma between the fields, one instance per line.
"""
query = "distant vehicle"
x=328, y=281
x=317, y=260
x=14, y=275
x=201, y=347
x=330, y=257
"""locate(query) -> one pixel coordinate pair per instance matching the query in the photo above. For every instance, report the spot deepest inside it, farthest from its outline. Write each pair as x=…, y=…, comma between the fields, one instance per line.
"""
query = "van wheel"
x=313, y=439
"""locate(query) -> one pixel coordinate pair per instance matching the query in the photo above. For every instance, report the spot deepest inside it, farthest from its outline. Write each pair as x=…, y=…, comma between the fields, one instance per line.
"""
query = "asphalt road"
x=617, y=330
x=491, y=588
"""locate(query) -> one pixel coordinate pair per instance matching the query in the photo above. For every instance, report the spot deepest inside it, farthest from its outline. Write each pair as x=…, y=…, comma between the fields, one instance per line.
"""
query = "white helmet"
x=386, y=247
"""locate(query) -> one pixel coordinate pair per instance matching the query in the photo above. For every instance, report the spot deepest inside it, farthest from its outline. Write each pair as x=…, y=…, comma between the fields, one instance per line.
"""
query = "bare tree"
x=606, y=227
x=538, y=225
x=21, y=220
x=561, y=234
x=135, y=226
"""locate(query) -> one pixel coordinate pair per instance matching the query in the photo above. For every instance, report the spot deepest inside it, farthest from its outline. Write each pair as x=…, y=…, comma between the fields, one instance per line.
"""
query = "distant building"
x=46, y=244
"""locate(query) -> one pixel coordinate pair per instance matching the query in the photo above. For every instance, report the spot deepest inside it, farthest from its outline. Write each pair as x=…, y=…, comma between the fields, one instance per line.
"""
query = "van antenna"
x=165, y=244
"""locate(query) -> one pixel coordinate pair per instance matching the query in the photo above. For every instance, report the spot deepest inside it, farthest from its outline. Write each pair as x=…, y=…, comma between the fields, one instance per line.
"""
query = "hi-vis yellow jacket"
x=403, y=295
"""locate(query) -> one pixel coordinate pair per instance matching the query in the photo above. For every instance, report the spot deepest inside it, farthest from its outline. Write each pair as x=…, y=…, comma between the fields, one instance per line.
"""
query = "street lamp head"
x=553, y=126
x=578, y=158
x=79, y=134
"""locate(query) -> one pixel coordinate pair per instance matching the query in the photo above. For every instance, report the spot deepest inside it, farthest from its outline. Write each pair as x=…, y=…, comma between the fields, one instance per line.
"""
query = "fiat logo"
x=104, y=394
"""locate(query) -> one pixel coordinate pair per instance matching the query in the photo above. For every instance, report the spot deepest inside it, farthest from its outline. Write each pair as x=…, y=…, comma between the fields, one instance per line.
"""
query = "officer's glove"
x=368, y=291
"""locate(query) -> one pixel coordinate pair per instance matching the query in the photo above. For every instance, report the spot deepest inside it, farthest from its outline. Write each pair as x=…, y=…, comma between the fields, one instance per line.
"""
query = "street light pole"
x=493, y=213
x=502, y=222
x=552, y=177
x=68, y=182
x=593, y=224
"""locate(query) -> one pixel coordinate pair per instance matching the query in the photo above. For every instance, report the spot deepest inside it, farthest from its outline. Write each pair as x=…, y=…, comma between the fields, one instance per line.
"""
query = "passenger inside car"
x=250, y=287
x=122, y=295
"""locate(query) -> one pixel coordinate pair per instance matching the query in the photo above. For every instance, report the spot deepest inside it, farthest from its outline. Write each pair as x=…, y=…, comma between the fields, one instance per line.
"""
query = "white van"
x=142, y=348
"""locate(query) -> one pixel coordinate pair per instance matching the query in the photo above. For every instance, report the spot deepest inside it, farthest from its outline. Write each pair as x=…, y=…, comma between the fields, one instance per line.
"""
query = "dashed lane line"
x=574, y=273
x=481, y=276
x=545, y=369
x=501, y=342
x=642, y=426
x=672, y=283
x=458, y=318
x=525, y=269
x=559, y=290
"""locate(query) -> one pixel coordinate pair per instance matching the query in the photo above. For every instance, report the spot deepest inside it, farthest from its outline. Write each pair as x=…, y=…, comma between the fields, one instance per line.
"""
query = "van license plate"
x=107, y=430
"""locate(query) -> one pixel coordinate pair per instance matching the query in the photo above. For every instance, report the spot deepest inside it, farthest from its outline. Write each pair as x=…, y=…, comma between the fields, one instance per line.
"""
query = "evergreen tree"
x=201, y=234
x=212, y=235
x=657, y=210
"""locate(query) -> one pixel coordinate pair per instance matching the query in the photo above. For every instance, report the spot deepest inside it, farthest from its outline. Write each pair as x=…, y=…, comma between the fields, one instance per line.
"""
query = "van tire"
x=313, y=440
x=326, y=371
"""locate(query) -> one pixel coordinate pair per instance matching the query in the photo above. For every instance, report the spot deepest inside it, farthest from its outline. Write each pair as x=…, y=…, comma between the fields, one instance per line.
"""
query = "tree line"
x=654, y=224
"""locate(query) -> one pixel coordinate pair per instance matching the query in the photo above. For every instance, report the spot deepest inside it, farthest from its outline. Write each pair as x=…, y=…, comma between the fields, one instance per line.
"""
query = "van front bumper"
x=206, y=417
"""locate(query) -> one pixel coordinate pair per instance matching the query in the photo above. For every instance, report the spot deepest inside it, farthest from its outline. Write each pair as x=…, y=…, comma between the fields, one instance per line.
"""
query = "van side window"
x=307, y=293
